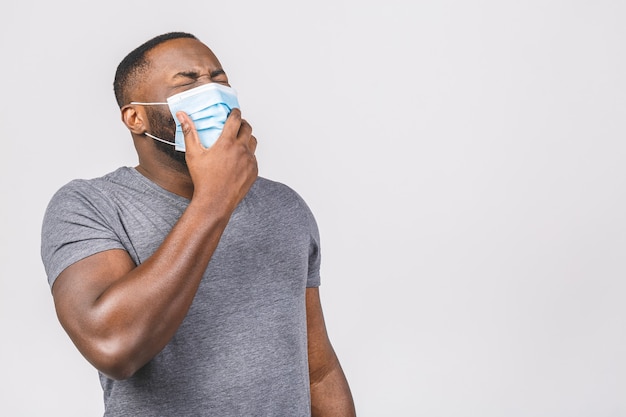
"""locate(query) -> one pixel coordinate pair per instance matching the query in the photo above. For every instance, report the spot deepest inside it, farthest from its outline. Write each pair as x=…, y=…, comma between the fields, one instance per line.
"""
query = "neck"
x=161, y=168
x=172, y=177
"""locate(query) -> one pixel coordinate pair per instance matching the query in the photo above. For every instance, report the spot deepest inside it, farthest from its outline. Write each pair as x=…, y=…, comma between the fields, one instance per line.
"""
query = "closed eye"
x=190, y=77
x=219, y=76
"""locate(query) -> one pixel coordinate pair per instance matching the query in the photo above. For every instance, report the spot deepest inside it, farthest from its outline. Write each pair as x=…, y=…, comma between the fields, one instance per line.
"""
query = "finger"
x=189, y=130
x=245, y=135
x=252, y=144
x=233, y=122
x=245, y=131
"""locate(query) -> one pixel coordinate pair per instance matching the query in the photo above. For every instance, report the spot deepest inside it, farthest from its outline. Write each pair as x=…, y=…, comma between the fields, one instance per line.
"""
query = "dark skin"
x=120, y=315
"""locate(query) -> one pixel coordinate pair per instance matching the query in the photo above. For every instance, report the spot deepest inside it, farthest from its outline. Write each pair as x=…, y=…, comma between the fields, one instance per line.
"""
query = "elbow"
x=117, y=371
x=114, y=360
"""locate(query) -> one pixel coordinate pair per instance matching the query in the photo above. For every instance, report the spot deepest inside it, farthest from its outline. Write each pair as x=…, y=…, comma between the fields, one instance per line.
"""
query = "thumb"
x=189, y=130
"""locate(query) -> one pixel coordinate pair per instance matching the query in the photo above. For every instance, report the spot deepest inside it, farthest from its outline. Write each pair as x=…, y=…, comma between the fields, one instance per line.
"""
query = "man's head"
x=163, y=66
x=135, y=65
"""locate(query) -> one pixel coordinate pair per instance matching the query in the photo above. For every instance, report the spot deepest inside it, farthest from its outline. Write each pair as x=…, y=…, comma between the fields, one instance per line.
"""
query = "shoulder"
x=281, y=201
x=276, y=191
x=99, y=185
x=89, y=194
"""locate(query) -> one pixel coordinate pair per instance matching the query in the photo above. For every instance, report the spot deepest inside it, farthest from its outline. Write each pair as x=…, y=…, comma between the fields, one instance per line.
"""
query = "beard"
x=163, y=126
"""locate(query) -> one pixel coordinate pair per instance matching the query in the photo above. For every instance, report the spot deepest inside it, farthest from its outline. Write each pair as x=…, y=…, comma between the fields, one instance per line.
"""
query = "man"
x=189, y=282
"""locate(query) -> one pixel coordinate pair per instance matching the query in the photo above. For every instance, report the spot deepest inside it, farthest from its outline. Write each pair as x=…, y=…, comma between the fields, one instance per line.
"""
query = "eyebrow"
x=195, y=74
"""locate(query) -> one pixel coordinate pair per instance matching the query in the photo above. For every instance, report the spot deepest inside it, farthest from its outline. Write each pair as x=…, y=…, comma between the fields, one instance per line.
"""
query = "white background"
x=465, y=161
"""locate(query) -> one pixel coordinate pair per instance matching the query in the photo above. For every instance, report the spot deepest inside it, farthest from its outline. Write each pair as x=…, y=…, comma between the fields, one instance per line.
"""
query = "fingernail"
x=181, y=118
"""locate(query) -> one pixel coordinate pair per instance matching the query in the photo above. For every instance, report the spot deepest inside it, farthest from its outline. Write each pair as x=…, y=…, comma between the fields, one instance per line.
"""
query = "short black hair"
x=135, y=64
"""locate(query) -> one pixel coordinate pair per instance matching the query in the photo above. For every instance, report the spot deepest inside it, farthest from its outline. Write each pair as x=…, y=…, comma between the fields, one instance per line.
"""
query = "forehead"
x=181, y=55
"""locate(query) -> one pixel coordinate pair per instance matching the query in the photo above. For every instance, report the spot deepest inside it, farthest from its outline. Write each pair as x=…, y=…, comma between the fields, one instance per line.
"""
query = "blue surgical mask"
x=207, y=105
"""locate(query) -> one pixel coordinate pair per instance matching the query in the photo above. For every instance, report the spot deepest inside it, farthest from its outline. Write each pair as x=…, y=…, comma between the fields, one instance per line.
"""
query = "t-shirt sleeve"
x=76, y=224
x=315, y=255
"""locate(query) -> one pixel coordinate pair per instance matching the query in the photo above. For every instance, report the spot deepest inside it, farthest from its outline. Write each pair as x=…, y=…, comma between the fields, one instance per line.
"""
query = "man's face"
x=177, y=65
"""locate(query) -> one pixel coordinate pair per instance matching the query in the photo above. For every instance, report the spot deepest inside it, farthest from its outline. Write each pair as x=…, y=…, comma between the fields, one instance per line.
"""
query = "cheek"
x=162, y=120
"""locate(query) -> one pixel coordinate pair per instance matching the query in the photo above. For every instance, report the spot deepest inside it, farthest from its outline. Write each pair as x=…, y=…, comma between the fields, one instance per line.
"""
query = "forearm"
x=167, y=281
x=331, y=396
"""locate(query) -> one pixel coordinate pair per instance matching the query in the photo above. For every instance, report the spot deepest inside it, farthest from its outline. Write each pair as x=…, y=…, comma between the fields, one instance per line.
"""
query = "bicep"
x=78, y=287
x=322, y=357
x=330, y=393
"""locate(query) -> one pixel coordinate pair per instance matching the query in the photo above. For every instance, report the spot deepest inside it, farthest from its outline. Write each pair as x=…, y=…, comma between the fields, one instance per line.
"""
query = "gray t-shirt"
x=242, y=349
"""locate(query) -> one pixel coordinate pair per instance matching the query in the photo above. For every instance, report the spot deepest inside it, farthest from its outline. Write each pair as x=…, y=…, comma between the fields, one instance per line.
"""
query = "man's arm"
x=120, y=315
x=330, y=393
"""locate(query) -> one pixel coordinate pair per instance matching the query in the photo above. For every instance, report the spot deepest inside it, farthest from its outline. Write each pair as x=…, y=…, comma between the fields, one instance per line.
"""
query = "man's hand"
x=227, y=169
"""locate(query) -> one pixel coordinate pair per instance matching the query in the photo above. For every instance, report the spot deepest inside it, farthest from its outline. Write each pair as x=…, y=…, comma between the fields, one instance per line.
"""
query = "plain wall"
x=465, y=161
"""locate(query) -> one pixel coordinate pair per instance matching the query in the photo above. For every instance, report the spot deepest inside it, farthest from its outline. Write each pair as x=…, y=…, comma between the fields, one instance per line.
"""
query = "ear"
x=134, y=118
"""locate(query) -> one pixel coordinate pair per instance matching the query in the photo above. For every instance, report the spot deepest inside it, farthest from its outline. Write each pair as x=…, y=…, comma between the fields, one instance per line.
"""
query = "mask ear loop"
x=147, y=104
x=140, y=103
x=159, y=139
